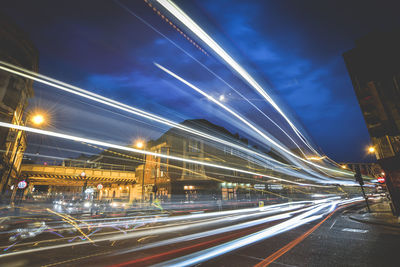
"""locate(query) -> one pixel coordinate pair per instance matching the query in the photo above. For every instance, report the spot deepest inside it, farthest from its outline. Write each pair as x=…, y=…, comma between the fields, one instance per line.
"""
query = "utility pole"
x=360, y=180
x=144, y=169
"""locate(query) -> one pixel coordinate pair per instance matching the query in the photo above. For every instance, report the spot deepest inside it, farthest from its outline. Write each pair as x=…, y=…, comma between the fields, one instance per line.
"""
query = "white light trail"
x=115, y=104
x=162, y=229
x=207, y=254
x=210, y=71
x=105, y=144
x=254, y=128
x=200, y=33
x=303, y=218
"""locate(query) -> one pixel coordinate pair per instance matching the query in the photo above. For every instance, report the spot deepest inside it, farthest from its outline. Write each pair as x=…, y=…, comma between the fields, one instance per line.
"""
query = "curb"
x=374, y=222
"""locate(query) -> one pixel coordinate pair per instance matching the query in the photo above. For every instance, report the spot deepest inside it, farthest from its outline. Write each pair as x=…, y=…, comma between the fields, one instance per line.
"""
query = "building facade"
x=187, y=181
x=368, y=169
x=374, y=68
x=15, y=48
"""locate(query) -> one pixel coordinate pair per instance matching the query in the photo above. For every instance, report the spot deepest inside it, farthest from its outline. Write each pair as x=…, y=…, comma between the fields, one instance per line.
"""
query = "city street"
x=199, y=133
x=339, y=241
x=172, y=240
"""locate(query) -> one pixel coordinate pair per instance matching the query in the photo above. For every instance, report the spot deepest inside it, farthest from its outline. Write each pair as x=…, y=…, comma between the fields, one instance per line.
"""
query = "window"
x=193, y=169
x=194, y=146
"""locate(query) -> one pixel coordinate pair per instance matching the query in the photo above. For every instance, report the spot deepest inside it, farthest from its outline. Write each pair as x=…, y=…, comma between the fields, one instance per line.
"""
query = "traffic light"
x=358, y=175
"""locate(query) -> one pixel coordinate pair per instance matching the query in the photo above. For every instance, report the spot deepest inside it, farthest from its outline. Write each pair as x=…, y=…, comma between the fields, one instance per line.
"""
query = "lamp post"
x=371, y=150
x=141, y=145
x=37, y=120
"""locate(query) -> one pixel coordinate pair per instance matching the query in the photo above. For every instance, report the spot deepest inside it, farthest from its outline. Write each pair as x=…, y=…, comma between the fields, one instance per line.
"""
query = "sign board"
x=22, y=184
x=89, y=191
x=381, y=180
x=261, y=204
x=275, y=187
x=99, y=186
x=259, y=186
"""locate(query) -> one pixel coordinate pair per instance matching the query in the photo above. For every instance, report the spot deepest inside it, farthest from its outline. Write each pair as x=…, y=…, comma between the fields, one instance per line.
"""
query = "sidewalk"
x=381, y=214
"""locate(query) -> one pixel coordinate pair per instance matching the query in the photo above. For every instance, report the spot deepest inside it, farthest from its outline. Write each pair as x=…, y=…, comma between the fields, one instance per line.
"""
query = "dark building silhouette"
x=374, y=68
x=16, y=49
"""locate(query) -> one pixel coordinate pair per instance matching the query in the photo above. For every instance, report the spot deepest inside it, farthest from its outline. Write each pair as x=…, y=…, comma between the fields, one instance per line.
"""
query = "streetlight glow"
x=37, y=119
x=371, y=149
x=139, y=144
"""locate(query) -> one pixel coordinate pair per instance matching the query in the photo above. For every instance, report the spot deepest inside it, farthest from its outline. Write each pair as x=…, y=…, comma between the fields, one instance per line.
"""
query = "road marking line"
x=353, y=230
x=80, y=258
x=250, y=257
x=333, y=224
x=267, y=261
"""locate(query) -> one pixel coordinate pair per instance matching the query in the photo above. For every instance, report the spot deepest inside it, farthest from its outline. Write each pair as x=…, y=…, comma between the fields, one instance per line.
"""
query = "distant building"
x=177, y=180
x=368, y=169
x=374, y=68
x=15, y=48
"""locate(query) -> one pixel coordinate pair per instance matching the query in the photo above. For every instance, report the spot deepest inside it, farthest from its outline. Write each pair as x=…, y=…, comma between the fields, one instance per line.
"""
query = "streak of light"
x=10, y=246
x=67, y=219
x=198, y=224
x=200, y=33
x=292, y=244
x=254, y=128
x=92, y=96
x=105, y=144
x=207, y=215
x=216, y=251
x=316, y=158
x=115, y=104
x=209, y=70
x=217, y=231
x=153, y=230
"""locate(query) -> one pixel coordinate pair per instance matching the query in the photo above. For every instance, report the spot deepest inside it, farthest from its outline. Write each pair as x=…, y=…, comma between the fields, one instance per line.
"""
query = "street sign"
x=259, y=186
x=99, y=186
x=381, y=180
x=22, y=184
x=275, y=186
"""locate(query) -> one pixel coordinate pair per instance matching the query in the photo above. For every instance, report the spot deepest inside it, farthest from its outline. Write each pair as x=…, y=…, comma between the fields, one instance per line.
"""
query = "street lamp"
x=141, y=145
x=36, y=119
x=371, y=149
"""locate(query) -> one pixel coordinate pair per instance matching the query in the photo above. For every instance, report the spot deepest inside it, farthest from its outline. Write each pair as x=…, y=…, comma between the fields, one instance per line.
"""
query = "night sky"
x=294, y=48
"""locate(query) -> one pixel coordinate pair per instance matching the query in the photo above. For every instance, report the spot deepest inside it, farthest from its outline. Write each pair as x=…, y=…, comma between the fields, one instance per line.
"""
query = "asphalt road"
x=339, y=241
x=331, y=240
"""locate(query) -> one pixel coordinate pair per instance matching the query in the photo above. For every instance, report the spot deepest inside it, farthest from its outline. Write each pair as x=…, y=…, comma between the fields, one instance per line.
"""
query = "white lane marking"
x=355, y=230
x=332, y=224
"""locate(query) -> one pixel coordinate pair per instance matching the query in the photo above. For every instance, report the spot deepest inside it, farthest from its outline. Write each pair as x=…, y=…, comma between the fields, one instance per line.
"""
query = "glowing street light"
x=37, y=119
x=371, y=149
x=139, y=144
x=343, y=166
